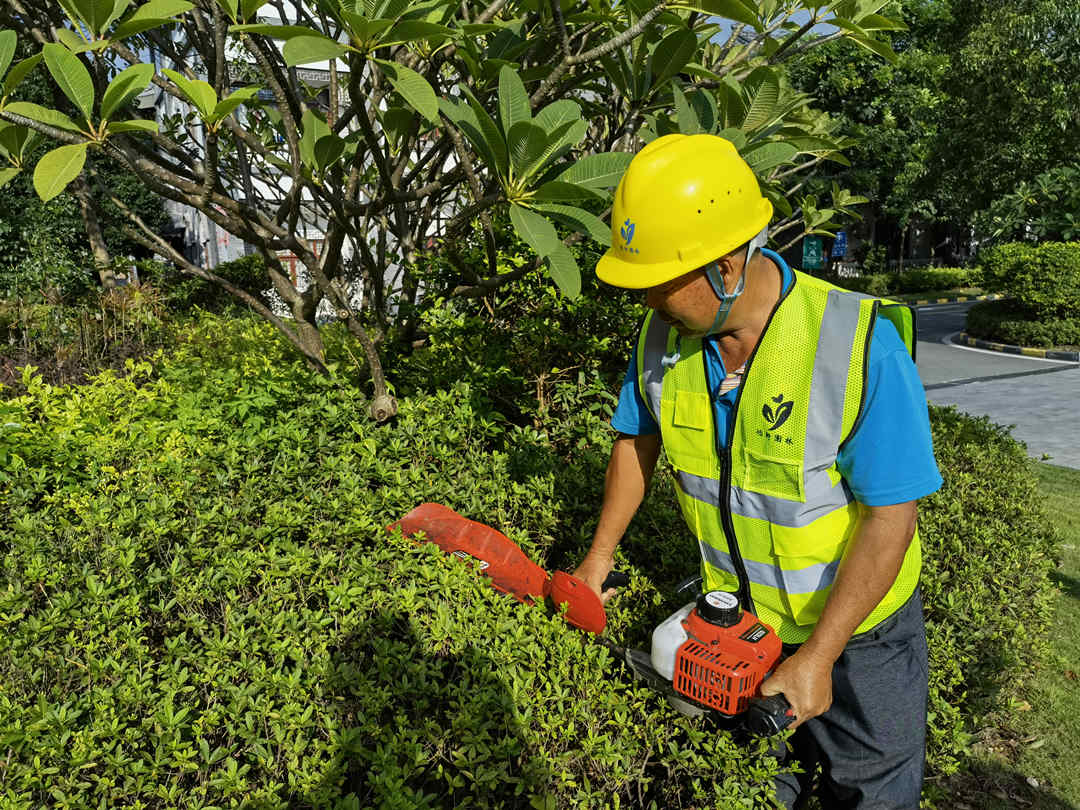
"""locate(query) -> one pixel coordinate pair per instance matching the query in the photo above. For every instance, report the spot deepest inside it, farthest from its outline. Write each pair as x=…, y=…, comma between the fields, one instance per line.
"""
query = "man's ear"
x=730, y=267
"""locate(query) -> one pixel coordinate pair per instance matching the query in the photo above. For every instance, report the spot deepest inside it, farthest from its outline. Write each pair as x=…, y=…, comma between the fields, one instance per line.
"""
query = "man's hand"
x=805, y=679
x=594, y=570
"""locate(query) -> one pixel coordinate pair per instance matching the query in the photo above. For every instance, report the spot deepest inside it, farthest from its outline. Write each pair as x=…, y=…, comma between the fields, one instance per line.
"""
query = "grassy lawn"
x=1039, y=768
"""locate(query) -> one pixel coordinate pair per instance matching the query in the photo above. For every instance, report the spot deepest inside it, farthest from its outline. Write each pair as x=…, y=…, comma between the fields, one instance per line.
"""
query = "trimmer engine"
x=715, y=654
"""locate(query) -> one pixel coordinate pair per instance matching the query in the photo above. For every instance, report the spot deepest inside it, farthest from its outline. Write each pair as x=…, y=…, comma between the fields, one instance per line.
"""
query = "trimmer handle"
x=768, y=715
x=616, y=579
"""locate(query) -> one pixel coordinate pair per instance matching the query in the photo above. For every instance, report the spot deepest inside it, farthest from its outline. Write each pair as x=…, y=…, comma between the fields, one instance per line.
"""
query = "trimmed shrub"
x=932, y=278
x=201, y=607
x=1009, y=322
x=200, y=604
x=909, y=282
x=1044, y=279
x=988, y=553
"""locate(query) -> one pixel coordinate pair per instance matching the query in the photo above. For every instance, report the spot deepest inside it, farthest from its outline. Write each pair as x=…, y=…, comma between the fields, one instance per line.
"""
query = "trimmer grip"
x=616, y=579
x=768, y=715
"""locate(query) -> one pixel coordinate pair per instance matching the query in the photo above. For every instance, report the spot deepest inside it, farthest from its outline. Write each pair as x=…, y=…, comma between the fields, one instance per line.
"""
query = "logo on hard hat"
x=627, y=231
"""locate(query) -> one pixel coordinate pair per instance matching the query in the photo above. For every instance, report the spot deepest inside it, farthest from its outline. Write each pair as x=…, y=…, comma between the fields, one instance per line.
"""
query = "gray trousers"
x=871, y=743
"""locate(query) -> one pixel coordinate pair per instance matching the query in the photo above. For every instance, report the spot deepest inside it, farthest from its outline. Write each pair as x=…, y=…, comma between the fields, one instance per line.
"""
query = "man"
x=797, y=427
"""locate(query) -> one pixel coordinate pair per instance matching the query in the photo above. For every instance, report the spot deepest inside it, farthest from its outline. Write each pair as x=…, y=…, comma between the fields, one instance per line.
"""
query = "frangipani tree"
x=434, y=116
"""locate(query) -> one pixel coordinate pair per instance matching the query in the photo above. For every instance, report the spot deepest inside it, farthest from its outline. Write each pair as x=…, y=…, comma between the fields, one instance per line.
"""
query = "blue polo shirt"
x=890, y=456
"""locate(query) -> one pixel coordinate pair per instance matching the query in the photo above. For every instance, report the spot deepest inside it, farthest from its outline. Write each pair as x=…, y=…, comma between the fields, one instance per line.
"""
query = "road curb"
x=966, y=340
x=924, y=302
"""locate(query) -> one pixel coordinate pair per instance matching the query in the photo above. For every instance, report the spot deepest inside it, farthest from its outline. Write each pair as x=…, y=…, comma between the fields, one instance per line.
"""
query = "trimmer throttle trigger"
x=769, y=715
x=616, y=579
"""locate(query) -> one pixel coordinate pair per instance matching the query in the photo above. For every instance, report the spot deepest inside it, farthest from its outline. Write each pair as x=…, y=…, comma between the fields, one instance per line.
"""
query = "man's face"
x=688, y=303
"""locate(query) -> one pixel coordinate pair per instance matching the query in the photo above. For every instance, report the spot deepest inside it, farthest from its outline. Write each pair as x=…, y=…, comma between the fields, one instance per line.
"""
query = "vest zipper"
x=724, y=498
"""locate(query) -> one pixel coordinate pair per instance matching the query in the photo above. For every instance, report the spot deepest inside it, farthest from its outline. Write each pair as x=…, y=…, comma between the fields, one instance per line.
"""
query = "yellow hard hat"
x=684, y=201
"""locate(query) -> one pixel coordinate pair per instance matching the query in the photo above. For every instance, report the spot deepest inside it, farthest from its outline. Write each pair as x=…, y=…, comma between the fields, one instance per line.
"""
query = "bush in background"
x=184, y=293
x=910, y=282
x=1009, y=322
x=1043, y=279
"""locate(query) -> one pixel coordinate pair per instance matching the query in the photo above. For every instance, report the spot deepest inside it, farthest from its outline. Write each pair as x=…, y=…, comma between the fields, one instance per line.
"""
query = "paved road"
x=1039, y=398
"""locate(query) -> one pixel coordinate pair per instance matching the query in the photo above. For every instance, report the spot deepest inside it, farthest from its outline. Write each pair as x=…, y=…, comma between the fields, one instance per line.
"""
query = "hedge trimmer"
x=710, y=656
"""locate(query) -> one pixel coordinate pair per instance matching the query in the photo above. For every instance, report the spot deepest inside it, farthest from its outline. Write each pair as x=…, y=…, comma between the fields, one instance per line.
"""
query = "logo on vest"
x=777, y=417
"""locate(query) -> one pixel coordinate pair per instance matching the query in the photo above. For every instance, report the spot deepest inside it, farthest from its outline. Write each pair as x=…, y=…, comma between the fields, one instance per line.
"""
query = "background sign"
x=839, y=245
x=813, y=253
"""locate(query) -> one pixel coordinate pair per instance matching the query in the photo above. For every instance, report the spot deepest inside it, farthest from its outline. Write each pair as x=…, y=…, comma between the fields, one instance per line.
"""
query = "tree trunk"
x=102, y=260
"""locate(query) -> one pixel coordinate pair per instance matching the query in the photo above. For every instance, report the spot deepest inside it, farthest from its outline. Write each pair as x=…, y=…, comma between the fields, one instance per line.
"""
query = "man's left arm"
x=866, y=574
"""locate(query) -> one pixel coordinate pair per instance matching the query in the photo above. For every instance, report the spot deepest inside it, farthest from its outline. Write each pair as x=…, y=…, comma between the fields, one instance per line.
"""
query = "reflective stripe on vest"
x=791, y=511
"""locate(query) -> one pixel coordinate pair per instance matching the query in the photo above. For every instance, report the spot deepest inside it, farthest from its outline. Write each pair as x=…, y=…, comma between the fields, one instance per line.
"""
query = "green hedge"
x=1012, y=323
x=200, y=606
x=910, y=282
x=1043, y=278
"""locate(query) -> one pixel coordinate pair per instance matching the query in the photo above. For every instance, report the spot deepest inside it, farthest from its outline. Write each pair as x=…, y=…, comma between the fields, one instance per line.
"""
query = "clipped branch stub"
x=384, y=407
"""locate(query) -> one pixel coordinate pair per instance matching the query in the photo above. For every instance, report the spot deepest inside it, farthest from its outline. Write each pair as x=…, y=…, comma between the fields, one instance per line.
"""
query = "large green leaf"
x=272, y=31
x=230, y=7
x=490, y=134
x=705, y=108
x=412, y=87
x=413, y=30
x=12, y=137
x=603, y=170
x=119, y=8
x=564, y=271
x=130, y=29
x=882, y=49
x=58, y=168
x=671, y=54
x=556, y=114
x=199, y=93
x=36, y=112
x=314, y=128
x=311, y=48
x=7, y=175
x=685, y=114
x=769, y=155
x=328, y=149
x=128, y=83
x=579, y=219
x=71, y=75
x=249, y=8
x=8, y=41
x=513, y=100
x=737, y=10
x=160, y=10
x=763, y=92
x=20, y=72
x=365, y=32
x=234, y=100
x=134, y=125
x=561, y=141
x=526, y=143
x=95, y=13
x=558, y=191
x=464, y=117
x=534, y=230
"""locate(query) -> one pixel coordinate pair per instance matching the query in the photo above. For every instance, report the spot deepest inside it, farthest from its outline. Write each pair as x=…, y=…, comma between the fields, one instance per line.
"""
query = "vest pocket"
x=769, y=475
x=692, y=410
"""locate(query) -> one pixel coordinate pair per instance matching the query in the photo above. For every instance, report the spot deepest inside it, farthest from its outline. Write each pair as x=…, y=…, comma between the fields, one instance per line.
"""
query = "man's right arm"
x=633, y=459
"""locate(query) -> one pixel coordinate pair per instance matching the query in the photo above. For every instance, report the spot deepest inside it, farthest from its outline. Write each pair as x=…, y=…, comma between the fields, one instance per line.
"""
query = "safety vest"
x=772, y=500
